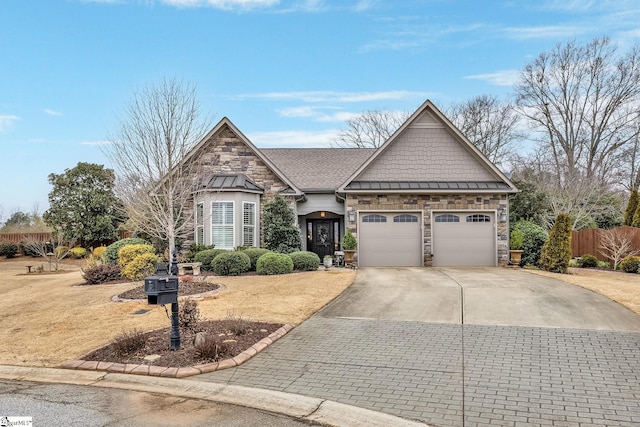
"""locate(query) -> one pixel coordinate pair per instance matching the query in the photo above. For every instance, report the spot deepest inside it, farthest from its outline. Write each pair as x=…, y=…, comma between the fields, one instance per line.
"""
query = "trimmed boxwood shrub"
x=101, y=274
x=78, y=252
x=141, y=266
x=110, y=255
x=533, y=237
x=630, y=264
x=274, y=263
x=99, y=251
x=588, y=261
x=231, y=264
x=206, y=256
x=305, y=261
x=128, y=253
x=254, y=254
x=8, y=249
x=194, y=248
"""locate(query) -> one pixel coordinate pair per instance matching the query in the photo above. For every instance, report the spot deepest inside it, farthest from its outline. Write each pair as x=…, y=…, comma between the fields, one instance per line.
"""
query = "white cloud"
x=499, y=78
x=317, y=114
x=7, y=120
x=293, y=138
x=337, y=97
x=96, y=143
x=224, y=4
x=52, y=112
x=543, y=32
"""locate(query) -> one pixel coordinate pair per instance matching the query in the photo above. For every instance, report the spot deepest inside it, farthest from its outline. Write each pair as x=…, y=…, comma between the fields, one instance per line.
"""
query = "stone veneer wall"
x=428, y=203
x=226, y=153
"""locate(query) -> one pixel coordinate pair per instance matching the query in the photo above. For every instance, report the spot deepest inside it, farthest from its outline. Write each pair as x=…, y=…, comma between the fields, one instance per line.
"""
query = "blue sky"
x=286, y=72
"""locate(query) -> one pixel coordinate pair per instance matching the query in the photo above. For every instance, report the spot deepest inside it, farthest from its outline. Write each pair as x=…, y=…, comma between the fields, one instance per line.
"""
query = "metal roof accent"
x=235, y=182
x=425, y=185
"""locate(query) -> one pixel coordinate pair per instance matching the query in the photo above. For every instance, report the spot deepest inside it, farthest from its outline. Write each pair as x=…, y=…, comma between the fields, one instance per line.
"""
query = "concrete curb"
x=320, y=411
x=163, y=371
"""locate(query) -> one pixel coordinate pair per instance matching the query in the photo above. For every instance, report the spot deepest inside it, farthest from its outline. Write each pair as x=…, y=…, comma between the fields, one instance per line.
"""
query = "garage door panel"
x=464, y=243
x=385, y=243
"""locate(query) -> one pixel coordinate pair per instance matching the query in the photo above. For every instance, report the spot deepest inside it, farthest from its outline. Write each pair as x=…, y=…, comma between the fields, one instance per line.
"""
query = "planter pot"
x=349, y=256
x=328, y=262
x=516, y=256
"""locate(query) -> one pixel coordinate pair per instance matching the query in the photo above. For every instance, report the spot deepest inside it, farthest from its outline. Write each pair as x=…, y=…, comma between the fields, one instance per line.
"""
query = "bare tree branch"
x=370, y=129
x=616, y=244
x=160, y=126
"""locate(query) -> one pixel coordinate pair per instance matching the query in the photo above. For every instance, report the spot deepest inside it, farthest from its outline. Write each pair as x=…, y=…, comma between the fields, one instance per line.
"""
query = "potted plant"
x=516, y=241
x=327, y=261
x=349, y=245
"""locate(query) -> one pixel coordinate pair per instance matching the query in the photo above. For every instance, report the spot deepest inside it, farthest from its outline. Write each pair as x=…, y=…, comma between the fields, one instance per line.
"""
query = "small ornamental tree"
x=556, y=252
x=280, y=232
x=632, y=206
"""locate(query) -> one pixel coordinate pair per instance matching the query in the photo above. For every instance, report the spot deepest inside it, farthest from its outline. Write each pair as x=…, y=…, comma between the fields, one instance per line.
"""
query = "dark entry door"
x=322, y=238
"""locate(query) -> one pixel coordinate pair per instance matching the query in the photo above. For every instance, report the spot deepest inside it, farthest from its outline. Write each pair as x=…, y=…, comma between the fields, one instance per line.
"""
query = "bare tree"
x=56, y=250
x=582, y=98
x=370, y=129
x=160, y=126
x=489, y=124
x=616, y=244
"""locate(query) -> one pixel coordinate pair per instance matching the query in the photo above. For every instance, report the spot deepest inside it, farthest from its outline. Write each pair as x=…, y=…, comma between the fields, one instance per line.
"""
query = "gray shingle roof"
x=317, y=168
x=230, y=182
x=426, y=185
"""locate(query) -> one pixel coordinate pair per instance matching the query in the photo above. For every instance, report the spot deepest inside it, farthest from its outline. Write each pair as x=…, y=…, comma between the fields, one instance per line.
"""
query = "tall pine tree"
x=632, y=207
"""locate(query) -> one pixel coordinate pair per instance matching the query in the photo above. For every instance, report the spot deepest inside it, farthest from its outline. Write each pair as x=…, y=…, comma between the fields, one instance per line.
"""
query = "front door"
x=322, y=237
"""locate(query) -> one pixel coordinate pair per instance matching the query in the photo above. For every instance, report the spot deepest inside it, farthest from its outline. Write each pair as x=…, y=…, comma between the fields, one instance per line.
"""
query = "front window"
x=222, y=224
x=248, y=224
x=200, y=223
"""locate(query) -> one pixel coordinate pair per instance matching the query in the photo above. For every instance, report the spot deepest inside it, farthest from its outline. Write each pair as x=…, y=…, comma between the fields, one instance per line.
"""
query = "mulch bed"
x=224, y=339
x=184, y=289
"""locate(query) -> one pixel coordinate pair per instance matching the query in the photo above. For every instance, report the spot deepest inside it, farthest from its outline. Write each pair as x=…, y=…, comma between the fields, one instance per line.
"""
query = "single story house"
x=426, y=197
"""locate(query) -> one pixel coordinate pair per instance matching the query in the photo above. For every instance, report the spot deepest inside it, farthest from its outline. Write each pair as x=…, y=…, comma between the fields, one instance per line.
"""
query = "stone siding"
x=429, y=203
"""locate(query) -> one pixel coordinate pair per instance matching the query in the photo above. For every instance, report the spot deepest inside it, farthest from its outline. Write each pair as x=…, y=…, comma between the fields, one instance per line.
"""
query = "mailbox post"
x=162, y=289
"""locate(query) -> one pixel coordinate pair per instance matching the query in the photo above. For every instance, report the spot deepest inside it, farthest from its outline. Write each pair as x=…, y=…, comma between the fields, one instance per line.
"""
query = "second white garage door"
x=464, y=239
x=390, y=239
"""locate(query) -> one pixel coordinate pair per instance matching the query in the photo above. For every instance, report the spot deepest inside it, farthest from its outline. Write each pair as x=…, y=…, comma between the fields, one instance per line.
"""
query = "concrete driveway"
x=479, y=296
x=462, y=347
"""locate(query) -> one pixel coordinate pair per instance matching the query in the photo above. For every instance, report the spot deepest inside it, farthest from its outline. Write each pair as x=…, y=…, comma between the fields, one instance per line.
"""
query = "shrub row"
x=263, y=261
x=8, y=249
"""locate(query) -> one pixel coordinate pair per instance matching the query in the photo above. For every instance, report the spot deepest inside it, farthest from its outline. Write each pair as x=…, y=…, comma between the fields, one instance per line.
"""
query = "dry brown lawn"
x=623, y=288
x=48, y=319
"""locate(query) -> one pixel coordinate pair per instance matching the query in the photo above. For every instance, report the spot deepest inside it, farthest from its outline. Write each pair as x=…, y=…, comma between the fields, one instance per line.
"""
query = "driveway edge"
x=325, y=412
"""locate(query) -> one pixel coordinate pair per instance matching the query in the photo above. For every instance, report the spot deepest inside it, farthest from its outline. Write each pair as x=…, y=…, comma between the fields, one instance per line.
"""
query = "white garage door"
x=390, y=239
x=464, y=239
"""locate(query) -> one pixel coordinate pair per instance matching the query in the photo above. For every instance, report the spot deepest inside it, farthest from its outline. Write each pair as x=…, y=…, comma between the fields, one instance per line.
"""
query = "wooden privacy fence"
x=41, y=237
x=587, y=241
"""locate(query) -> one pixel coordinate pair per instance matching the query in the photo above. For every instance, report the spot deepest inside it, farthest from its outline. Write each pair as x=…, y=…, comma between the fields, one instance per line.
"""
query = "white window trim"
x=200, y=222
x=232, y=225
x=244, y=225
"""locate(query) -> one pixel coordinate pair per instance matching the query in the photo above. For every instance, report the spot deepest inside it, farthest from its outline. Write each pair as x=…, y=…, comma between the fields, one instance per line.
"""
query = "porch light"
x=503, y=214
x=322, y=214
x=352, y=217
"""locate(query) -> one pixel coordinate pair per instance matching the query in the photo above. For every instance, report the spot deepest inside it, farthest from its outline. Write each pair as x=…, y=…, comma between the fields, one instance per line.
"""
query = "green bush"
x=194, y=248
x=141, y=266
x=274, y=263
x=305, y=261
x=231, y=264
x=110, y=255
x=78, y=252
x=280, y=232
x=349, y=242
x=630, y=264
x=206, y=256
x=128, y=253
x=8, y=249
x=101, y=274
x=588, y=261
x=254, y=254
x=556, y=252
x=516, y=239
x=533, y=237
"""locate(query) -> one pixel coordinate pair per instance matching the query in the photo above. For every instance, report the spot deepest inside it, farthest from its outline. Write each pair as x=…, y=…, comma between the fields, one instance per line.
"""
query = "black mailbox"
x=161, y=290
